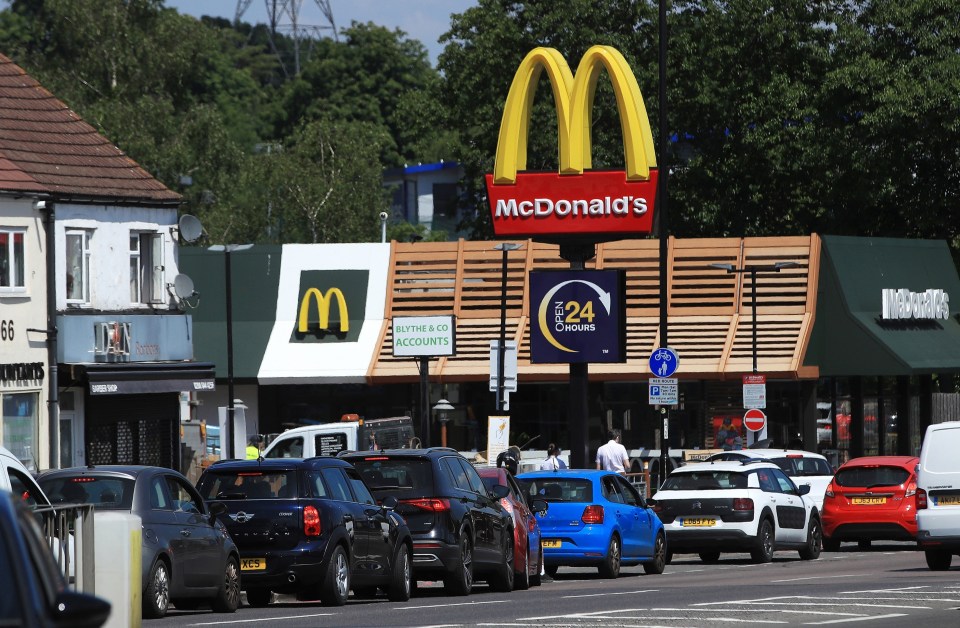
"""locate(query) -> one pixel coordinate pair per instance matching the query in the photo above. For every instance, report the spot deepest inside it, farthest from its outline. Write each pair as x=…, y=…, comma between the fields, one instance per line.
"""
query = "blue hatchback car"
x=595, y=518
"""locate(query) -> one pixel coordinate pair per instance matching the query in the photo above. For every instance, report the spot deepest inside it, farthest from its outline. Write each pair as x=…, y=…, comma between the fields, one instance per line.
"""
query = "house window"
x=78, y=266
x=12, y=260
x=146, y=268
x=20, y=427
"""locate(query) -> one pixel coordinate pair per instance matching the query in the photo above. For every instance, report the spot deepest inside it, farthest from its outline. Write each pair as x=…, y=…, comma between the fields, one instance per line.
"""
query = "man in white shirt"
x=613, y=455
x=553, y=462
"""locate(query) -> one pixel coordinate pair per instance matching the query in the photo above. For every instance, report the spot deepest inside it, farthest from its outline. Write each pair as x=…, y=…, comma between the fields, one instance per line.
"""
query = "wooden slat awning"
x=709, y=313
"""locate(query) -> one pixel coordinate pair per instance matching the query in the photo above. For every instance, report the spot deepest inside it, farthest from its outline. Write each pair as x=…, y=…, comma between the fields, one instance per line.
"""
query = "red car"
x=526, y=531
x=871, y=499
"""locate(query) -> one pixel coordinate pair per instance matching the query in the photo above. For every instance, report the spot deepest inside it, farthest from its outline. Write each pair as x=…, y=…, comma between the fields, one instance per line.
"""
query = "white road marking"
x=843, y=621
x=803, y=601
x=816, y=578
x=615, y=593
x=415, y=608
x=249, y=621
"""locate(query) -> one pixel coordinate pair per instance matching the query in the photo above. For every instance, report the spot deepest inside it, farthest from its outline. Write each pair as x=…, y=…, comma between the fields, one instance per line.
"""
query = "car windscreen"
x=399, y=476
x=870, y=477
x=554, y=489
x=254, y=484
x=704, y=481
x=798, y=466
x=103, y=491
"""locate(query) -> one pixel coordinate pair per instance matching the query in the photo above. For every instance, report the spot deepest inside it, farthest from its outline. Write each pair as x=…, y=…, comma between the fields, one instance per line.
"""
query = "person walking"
x=553, y=462
x=613, y=455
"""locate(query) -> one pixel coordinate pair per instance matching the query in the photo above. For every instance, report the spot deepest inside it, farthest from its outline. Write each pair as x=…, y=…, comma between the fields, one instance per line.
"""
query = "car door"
x=200, y=556
x=161, y=530
x=353, y=518
x=642, y=531
x=622, y=513
x=376, y=526
x=791, y=513
x=488, y=516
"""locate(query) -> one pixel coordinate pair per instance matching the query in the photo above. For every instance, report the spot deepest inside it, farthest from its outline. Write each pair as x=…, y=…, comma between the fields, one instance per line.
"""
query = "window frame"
x=145, y=267
x=85, y=236
x=14, y=271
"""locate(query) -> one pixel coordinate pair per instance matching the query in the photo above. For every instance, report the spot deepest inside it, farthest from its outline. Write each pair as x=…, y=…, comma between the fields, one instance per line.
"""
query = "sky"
x=424, y=20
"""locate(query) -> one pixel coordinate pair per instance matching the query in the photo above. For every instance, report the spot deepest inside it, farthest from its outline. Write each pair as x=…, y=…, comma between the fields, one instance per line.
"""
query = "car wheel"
x=399, y=590
x=709, y=557
x=461, y=580
x=831, y=545
x=258, y=598
x=535, y=579
x=763, y=550
x=938, y=560
x=156, y=597
x=228, y=597
x=521, y=579
x=669, y=558
x=811, y=551
x=552, y=570
x=659, y=561
x=503, y=580
x=610, y=567
x=863, y=545
x=336, y=584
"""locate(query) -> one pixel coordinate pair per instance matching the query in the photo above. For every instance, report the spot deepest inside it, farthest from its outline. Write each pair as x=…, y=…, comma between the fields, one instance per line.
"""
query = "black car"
x=188, y=558
x=34, y=590
x=310, y=527
x=460, y=530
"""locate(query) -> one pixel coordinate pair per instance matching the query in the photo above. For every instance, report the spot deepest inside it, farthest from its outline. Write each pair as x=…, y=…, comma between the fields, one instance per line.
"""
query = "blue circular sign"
x=664, y=362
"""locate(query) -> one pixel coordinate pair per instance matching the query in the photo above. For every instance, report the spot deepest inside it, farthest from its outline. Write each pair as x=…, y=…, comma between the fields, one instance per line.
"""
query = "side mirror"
x=389, y=502
x=79, y=610
x=500, y=491
x=803, y=489
x=217, y=509
x=539, y=506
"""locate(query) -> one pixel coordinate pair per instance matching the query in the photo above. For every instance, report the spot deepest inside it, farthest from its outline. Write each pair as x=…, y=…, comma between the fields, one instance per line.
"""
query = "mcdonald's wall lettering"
x=574, y=201
x=331, y=306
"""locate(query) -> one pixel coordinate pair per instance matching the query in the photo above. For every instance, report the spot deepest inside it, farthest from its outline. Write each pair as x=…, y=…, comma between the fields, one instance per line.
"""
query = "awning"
x=852, y=337
x=134, y=378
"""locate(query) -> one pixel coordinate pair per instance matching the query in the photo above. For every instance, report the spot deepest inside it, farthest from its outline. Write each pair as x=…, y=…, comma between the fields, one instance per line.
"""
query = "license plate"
x=253, y=564
x=551, y=542
x=698, y=522
x=948, y=500
x=868, y=501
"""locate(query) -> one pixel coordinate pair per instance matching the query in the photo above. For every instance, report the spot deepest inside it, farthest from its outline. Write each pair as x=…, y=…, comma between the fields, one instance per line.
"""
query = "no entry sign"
x=754, y=420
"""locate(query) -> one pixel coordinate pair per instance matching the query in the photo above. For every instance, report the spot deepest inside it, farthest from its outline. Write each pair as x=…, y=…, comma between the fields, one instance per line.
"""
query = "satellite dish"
x=183, y=287
x=190, y=229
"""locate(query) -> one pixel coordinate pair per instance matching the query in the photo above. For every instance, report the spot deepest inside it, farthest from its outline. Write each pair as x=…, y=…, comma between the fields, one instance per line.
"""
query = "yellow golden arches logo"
x=323, y=301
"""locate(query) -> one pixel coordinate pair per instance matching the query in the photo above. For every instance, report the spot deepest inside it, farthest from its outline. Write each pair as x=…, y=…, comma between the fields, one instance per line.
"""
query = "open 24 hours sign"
x=577, y=316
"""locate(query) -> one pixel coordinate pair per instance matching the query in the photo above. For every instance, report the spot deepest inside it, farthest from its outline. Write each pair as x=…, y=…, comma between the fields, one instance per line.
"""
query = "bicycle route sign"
x=664, y=362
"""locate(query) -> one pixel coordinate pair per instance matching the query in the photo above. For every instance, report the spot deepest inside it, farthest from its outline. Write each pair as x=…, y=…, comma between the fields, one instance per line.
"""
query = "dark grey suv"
x=460, y=531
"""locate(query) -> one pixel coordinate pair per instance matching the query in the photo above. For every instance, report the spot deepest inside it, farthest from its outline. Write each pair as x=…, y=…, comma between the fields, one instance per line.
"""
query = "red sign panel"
x=550, y=204
x=754, y=379
x=754, y=420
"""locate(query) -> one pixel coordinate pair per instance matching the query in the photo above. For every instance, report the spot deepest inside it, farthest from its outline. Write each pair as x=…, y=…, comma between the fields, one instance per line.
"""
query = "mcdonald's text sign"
x=575, y=201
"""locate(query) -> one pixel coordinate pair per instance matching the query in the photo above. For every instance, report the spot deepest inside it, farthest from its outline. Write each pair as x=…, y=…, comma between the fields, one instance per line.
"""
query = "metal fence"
x=69, y=533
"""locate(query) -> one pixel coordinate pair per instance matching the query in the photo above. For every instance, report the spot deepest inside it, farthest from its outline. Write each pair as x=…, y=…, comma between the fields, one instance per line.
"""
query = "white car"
x=711, y=508
x=938, y=495
x=803, y=467
x=15, y=478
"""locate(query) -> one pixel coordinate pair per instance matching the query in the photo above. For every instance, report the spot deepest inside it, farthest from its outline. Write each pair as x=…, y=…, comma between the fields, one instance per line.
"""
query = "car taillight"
x=506, y=505
x=742, y=503
x=592, y=514
x=428, y=503
x=911, y=489
x=311, y=521
x=921, y=499
x=829, y=491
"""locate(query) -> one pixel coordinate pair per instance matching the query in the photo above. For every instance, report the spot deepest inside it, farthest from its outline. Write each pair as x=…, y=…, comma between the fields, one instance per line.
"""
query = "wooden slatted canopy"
x=709, y=313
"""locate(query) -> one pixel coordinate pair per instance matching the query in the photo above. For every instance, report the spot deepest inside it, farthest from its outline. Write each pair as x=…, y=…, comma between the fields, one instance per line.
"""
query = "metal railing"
x=69, y=533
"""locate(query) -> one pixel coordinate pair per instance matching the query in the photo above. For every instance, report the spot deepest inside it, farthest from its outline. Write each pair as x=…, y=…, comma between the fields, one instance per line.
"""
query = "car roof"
x=115, y=470
x=908, y=462
x=725, y=465
x=586, y=474
x=277, y=463
x=396, y=453
x=773, y=453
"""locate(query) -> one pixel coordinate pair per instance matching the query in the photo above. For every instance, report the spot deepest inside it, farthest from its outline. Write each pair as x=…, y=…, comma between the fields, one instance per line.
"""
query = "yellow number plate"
x=551, y=542
x=868, y=501
x=948, y=500
x=253, y=564
x=698, y=522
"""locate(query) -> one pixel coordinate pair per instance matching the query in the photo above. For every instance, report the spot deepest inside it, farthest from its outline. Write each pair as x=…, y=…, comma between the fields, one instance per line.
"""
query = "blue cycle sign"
x=664, y=362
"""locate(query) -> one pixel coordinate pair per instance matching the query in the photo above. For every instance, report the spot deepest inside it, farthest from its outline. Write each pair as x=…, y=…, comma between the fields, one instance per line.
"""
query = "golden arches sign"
x=323, y=301
x=573, y=200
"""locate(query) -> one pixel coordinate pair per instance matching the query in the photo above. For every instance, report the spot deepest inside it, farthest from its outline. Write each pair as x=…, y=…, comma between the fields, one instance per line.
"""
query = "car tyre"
x=763, y=550
x=228, y=597
x=610, y=567
x=811, y=551
x=535, y=579
x=709, y=557
x=503, y=580
x=336, y=584
x=938, y=560
x=669, y=557
x=156, y=597
x=400, y=581
x=521, y=579
x=656, y=566
x=460, y=582
x=552, y=570
x=831, y=545
x=258, y=598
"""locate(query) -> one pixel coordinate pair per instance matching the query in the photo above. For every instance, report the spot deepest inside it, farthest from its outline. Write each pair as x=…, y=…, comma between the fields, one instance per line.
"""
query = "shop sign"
x=498, y=437
x=326, y=299
x=22, y=372
x=754, y=391
x=424, y=336
x=930, y=304
x=579, y=316
x=574, y=201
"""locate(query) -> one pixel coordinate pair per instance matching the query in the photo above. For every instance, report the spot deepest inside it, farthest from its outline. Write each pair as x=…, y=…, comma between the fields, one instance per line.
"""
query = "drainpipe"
x=53, y=395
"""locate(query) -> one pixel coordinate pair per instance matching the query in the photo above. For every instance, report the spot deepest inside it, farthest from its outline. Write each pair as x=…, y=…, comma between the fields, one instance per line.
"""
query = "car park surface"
x=595, y=518
x=460, y=530
x=803, y=467
x=711, y=508
x=188, y=557
x=528, y=550
x=870, y=499
x=310, y=527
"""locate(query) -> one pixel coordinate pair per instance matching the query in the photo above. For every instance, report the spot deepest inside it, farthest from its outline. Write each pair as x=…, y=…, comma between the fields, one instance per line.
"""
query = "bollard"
x=118, y=547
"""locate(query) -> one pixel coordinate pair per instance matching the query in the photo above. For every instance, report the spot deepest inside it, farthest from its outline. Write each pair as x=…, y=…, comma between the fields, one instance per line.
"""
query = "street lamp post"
x=502, y=347
x=443, y=406
x=228, y=279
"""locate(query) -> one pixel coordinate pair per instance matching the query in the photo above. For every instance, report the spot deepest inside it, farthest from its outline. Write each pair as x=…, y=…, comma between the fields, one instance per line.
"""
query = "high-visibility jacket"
x=253, y=452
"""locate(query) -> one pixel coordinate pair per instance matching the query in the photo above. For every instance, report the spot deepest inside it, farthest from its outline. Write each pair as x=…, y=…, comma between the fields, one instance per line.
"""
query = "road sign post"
x=755, y=421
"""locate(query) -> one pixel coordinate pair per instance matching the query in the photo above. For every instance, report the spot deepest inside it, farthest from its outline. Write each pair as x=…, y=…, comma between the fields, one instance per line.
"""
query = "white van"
x=351, y=433
x=938, y=495
x=15, y=478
